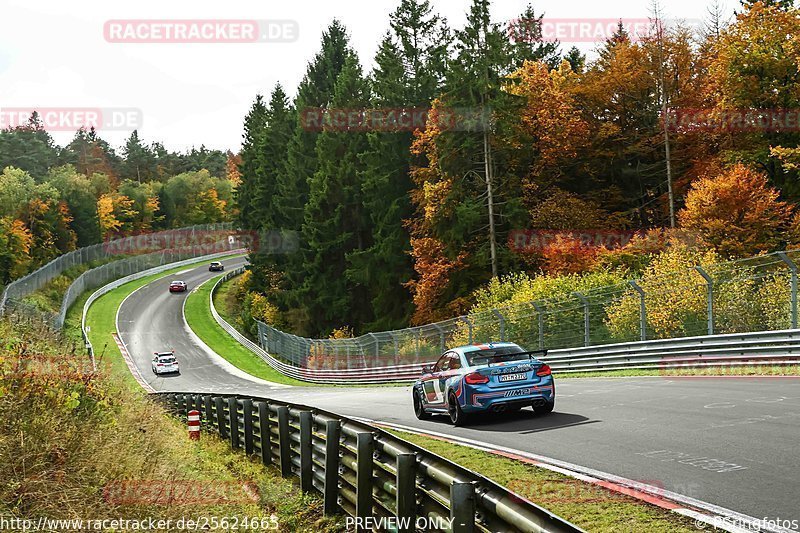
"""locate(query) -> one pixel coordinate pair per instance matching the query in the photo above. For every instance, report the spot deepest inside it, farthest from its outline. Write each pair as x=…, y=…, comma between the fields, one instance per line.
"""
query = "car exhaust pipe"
x=538, y=403
x=499, y=408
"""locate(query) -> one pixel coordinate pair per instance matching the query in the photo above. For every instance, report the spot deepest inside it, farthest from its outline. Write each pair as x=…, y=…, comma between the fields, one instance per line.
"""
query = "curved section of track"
x=732, y=442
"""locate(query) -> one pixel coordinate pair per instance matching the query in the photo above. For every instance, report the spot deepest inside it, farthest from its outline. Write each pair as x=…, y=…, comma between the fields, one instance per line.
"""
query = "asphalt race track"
x=733, y=442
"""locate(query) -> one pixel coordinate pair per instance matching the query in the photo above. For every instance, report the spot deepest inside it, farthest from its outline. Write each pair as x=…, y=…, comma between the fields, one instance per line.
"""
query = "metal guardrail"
x=748, y=295
x=768, y=348
x=364, y=471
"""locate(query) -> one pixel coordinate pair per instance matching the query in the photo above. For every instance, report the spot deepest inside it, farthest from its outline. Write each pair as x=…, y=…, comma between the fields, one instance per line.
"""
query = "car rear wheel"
x=457, y=416
x=544, y=408
x=419, y=409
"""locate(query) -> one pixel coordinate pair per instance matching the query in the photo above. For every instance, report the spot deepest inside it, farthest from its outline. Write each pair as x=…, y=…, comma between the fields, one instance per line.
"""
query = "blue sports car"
x=493, y=377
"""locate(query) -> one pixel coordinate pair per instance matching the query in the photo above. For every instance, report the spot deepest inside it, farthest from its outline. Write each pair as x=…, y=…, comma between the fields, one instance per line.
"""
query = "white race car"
x=165, y=363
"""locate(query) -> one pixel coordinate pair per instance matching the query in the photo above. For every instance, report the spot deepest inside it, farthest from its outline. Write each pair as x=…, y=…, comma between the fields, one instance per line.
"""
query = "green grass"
x=589, y=506
x=68, y=433
x=199, y=318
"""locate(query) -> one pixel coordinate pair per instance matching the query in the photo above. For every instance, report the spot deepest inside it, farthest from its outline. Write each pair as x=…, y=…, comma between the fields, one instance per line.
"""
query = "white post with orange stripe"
x=194, y=425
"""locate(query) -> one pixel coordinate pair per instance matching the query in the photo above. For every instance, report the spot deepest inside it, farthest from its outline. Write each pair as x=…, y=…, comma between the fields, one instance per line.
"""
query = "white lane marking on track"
x=591, y=474
x=719, y=405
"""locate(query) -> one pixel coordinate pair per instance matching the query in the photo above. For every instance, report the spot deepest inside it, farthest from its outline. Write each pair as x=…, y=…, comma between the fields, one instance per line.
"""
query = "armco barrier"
x=363, y=471
x=768, y=348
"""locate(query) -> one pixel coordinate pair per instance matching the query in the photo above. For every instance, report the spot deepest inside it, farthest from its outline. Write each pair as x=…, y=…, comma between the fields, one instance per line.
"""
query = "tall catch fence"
x=757, y=294
x=127, y=255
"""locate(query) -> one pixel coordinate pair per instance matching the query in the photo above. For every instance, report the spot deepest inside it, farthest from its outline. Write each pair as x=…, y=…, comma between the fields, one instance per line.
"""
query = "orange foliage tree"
x=736, y=212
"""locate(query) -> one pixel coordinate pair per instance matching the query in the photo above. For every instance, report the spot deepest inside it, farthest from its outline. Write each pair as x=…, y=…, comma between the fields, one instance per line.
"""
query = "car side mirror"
x=427, y=369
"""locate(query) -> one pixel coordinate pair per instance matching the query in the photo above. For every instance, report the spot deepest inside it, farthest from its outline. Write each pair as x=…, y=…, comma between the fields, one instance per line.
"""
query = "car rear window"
x=502, y=354
x=166, y=360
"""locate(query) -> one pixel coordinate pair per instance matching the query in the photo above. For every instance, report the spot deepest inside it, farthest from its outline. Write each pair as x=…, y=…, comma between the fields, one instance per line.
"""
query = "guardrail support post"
x=364, y=449
x=208, y=409
x=441, y=336
x=406, y=491
x=333, y=432
x=586, y=333
x=264, y=433
x=283, y=441
x=233, y=416
x=218, y=403
x=306, y=474
x=247, y=407
x=710, y=298
x=462, y=507
x=642, y=310
x=793, y=267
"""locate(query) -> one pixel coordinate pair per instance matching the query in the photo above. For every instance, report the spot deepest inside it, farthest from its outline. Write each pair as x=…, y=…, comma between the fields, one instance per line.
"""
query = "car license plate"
x=512, y=377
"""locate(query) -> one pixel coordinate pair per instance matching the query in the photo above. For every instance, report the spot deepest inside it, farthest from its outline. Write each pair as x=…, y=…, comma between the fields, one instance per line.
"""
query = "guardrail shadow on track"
x=364, y=471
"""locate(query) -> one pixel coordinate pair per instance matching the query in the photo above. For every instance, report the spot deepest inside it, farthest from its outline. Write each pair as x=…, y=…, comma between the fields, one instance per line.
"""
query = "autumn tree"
x=736, y=212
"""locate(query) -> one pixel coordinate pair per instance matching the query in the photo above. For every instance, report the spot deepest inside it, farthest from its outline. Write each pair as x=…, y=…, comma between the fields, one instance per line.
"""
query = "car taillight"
x=544, y=370
x=476, y=378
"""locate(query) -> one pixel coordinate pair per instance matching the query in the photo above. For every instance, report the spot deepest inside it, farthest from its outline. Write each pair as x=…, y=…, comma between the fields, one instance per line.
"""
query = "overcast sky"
x=54, y=54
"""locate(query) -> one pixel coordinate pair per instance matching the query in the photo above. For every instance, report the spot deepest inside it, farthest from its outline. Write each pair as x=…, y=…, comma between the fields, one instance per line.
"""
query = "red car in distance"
x=177, y=286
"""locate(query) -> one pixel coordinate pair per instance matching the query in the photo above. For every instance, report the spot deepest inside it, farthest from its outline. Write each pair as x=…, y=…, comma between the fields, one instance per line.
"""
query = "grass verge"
x=592, y=507
x=199, y=318
x=82, y=445
x=740, y=371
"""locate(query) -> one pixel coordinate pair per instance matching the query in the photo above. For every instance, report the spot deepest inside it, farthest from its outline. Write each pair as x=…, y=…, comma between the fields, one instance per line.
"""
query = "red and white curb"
x=706, y=515
x=131, y=366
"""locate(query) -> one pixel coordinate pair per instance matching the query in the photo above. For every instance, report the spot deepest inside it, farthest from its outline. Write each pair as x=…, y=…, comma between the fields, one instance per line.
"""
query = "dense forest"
x=401, y=226
x=54, y=199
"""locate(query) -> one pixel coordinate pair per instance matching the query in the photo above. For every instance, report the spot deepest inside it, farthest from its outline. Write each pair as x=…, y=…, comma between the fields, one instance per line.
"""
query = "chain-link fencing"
x=125, y=256
x=748, y=295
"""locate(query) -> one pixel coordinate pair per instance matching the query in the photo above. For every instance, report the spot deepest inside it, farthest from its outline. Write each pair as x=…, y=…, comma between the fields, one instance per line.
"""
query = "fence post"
x=642, y=310
x=502, y=320
x=283, y=441
x=441, y=336
x=233, y=416
x=540, y=314
x=793, y=267
x=586, y=332
x=264, y=433
x=247, y=407
x=469, y=325
x=364, y=450
x=306, y=474
x=333, y=430
x=406, y=491
x=710, y=292
x=462, y=507
x=218, y=403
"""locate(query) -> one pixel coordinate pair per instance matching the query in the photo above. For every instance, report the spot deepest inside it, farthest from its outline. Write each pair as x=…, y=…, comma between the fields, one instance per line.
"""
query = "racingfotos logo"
x=133, y=492
x=732, y=120
x=73, y=118
x=396, y=119
x=201, y=31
